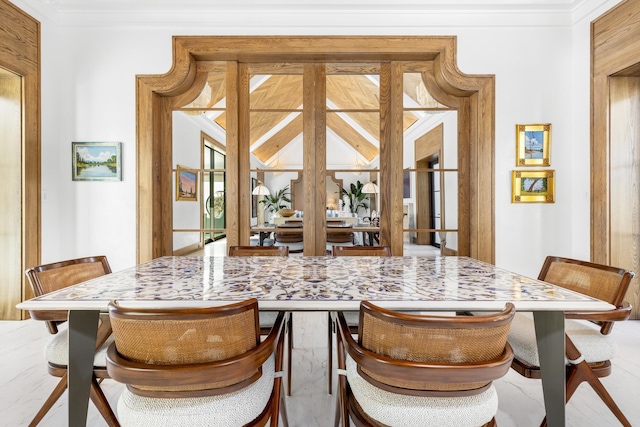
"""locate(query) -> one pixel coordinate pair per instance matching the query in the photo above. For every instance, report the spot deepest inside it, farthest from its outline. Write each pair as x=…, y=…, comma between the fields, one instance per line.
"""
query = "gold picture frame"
x=533, y=186
x=533, y=144
x=186, y=184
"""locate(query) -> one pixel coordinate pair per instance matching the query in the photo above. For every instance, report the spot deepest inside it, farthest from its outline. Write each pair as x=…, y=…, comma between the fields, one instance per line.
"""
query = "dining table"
x=367, y=231
x=318, y=283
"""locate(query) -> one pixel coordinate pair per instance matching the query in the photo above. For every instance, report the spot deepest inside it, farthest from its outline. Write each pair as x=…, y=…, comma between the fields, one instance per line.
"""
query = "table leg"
x=550, y=337
x=261, y=243
x=83, y=329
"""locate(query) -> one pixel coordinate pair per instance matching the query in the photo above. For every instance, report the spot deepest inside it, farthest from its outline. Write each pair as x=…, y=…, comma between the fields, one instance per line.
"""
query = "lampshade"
x=261, y=190
x=370, y=188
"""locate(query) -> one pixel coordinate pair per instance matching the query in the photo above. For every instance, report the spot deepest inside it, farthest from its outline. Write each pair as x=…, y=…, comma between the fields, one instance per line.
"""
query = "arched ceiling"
x=352, y=110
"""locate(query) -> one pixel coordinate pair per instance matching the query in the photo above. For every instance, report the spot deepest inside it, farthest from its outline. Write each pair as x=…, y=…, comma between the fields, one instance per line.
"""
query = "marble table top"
x=318, y=283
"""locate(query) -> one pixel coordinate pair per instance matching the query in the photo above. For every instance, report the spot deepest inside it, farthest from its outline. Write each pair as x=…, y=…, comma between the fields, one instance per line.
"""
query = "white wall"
x=186, y=153
x=540, y=60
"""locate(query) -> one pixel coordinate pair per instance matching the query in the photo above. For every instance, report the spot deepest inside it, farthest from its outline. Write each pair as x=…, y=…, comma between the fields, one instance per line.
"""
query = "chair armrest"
x=406, y=370
x=144, y=374
x=615, y=315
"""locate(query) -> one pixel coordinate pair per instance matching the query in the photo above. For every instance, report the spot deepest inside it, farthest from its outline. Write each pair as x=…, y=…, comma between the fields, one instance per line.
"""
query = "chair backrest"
x=595, y=280
x=461, y=354
x=259, y=251
x=361, y=250
x=157, y=352
x=58, y=275
x=289, y=237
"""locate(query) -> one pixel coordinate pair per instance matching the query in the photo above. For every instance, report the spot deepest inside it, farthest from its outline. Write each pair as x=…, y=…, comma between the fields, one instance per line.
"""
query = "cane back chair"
x=588, y=343
x=196, y=366
x=409, y=369
x=52, y=277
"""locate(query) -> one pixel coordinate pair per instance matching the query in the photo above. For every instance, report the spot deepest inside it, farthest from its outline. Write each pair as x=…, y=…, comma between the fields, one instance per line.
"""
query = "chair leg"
x=329, y=354
x=53, y=398
x=100, y=400
x=580, y=372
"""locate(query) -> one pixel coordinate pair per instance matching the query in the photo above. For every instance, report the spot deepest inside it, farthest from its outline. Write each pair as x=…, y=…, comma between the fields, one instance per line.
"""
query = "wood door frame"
x=473, y=95
x=615, y=47
x=20, y=54
x=615, y=51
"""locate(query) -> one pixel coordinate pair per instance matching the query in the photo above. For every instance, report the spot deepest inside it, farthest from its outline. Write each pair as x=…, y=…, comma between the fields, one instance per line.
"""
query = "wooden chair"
x=268, y=317
x=352, y=317
x=293, y=240
x=374, y=237
x=361, y=250
x=258, y=251
x=52, y=277
x=408, y=369
x=336, y=234
x=196, y=366
x=588, y=344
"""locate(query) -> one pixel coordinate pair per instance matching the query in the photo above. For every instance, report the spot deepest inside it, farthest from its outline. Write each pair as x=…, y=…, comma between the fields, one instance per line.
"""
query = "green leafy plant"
x=274, y=202
x=356, y=197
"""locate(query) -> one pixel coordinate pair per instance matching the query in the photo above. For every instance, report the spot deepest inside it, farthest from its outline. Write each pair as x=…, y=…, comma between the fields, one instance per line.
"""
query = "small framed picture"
x=532, y=145
x=533, y=186
x=96, y=161
x=186, y=184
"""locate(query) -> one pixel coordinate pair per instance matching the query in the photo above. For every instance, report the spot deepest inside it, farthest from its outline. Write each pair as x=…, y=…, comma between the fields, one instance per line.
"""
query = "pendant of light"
x=358, y=165
x=277, y=165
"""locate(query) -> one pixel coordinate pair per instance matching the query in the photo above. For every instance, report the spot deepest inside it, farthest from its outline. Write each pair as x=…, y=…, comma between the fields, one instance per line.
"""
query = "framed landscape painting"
x=533, y=186
x=96, y=161
x=186, y=185
x=533, y=144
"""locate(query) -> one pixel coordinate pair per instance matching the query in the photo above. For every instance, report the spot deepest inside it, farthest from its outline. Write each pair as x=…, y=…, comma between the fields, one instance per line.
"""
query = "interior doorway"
x=11, y=188
x=20, y=161
x=615, y=137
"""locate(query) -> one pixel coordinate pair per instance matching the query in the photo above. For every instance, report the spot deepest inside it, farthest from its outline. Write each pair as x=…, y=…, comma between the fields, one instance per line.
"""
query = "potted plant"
x=274, y=202
x=356, y=197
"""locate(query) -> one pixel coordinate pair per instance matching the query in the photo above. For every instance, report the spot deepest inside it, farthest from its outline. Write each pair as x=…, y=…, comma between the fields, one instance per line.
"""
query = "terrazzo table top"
x=318, y=283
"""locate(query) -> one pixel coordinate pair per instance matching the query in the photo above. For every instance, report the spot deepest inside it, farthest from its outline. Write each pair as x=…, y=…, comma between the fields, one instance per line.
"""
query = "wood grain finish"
x=615, y=51
x=474, y=96
x=20, y=54
x=625, y=178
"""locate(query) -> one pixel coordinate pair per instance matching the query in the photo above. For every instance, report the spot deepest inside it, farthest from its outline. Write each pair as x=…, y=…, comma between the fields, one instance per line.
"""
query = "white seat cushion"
x=586, y=336
x=399, y=410
x=57, y=349
x=225, y=410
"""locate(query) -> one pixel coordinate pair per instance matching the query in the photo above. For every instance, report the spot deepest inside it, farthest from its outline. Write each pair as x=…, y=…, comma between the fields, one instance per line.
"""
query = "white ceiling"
x=77, y=12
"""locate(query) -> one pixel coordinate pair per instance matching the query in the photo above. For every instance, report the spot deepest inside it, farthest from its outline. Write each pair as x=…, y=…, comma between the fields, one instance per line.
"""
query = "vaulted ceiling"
x=276, y=102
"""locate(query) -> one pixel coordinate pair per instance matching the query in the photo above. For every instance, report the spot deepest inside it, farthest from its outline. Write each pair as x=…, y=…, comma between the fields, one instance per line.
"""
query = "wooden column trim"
x=314, y=159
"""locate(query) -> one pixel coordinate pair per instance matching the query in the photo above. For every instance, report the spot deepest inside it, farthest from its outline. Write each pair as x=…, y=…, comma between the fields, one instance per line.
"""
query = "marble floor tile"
x=25, y=383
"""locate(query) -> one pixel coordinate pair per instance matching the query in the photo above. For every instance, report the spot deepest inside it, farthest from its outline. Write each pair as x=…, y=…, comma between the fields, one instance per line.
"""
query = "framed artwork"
x=186, y=184
x=254, y=199
x=533, y=145
x=533, y=186
x=96, y=161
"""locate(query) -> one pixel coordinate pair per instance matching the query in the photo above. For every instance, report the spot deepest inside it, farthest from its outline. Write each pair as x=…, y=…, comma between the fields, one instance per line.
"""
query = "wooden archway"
x=473, y=96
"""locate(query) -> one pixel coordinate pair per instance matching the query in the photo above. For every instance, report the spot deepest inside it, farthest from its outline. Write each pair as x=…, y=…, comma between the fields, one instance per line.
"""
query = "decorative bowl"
x=286, y=212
